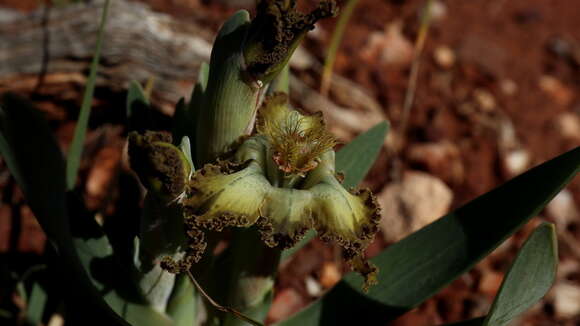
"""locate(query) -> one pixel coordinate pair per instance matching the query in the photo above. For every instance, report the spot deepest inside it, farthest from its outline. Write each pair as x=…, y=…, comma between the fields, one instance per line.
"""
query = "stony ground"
x=497, y=93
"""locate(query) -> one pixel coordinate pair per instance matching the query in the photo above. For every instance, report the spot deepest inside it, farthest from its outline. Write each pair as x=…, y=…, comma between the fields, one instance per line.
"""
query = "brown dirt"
x=497, y=45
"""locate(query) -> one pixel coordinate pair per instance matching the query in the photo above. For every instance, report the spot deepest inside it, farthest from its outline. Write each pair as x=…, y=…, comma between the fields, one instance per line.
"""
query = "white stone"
x=416, y=201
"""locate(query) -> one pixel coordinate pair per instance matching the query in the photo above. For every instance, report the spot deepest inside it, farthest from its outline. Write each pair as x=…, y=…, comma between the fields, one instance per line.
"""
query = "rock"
x=389, y=47
x=568, y=125
x=567, y=267
x=287, y=302
x=438, y=11
x=302, y=59
x=416, y=201
x=442, y=159
x=516, y=162
x=566, y=297
x=514, y=158
x=312, y=287
x=330, y=275
x=444, y=57
x=560, y=93
x=484, y=99
x=563, y=209
x=490, y=283
x=508, y=87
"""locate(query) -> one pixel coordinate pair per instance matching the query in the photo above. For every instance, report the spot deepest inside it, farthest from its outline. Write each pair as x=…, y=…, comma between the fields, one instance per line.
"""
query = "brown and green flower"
x=253, y=188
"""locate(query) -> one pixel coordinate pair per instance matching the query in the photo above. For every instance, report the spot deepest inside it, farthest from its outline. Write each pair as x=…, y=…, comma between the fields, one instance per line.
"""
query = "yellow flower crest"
x=296, y=140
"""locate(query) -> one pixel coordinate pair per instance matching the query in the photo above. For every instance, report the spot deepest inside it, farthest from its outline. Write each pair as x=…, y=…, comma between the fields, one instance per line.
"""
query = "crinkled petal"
x=226, y=195
x=229, y=194
x=285, y=217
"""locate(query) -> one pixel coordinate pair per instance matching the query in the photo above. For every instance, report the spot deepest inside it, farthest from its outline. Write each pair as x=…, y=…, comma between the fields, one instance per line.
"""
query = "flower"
x=276, y=32
x=283, y=181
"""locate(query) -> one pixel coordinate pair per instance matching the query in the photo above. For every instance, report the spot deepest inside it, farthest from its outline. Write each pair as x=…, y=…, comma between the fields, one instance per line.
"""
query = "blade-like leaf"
x=354, y=160
x=35, y=306
x=135, y=94
x=529, y=278
x=140, y=115
x=34, y=159
x=417, y=267
x=186, y=114
x=182, y=305
x=109, y=277
x=25, y=139
x=76, y=147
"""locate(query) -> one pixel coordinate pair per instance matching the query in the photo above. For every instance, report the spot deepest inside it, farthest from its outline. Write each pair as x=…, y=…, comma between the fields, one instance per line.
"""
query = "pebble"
x=313, y=287
x=287, y=302
x=390, y=47
x=416, y=201
x=558, y=91
x=516, y=162
x=330, y=275
x=508, y=87
x=563, y=209
x=490, y=283
x=568, y=125
x=566, y=298
x=442, y=159
x=444, y=57
x=438, y=11
x=484, y=99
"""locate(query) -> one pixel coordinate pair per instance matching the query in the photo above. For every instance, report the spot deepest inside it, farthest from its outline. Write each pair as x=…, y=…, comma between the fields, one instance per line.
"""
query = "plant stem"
x=219, y=306
x=229, y=103
x=334, y=45
x=412, y=85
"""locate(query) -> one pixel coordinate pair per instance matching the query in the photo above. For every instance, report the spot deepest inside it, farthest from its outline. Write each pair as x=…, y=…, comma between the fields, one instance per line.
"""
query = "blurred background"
x=493, y=90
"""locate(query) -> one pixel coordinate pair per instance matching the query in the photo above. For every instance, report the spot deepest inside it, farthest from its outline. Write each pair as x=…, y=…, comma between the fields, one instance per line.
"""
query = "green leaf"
x=417, y=267
x=186, y=114
x=35, y=160
x=35, y=306
x=135, y=96
x=140, y=116
x=529, y=278
x=185, y=147
x=182, y=305
x=110, y=277
x=182, y=122
x=24, y=138
x=354, y=160
x=76, y=147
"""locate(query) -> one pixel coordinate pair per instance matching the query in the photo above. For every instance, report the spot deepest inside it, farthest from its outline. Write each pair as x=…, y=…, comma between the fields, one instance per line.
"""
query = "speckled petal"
x=226, y=195
x=285, y=217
